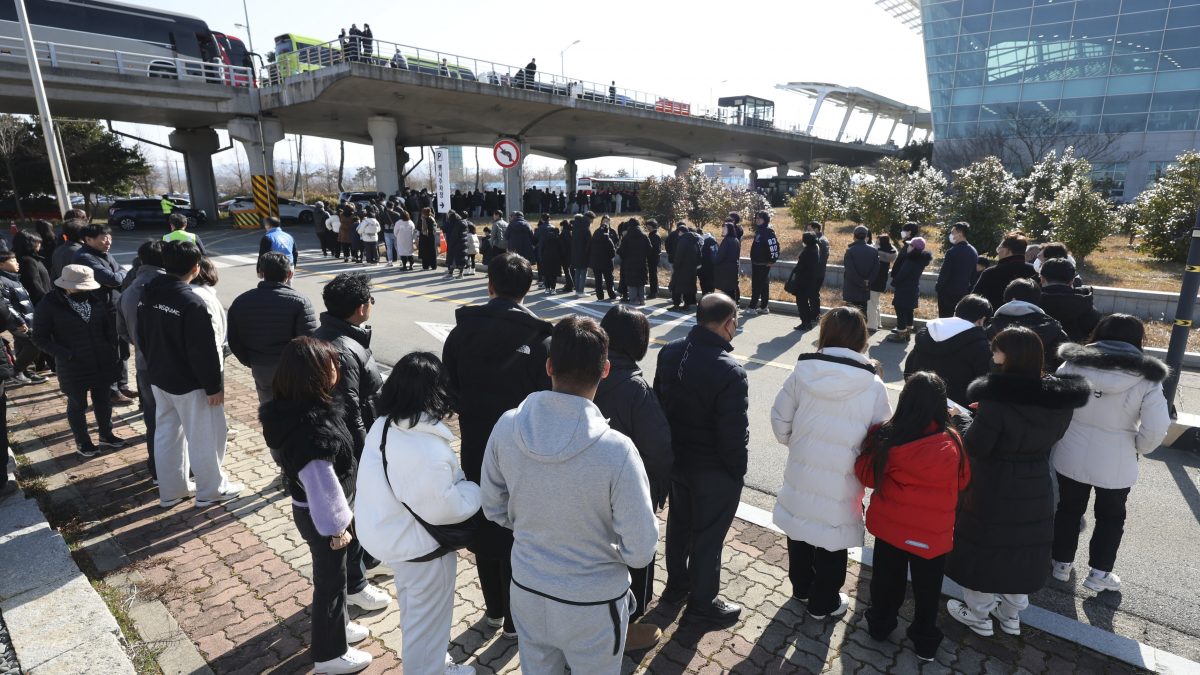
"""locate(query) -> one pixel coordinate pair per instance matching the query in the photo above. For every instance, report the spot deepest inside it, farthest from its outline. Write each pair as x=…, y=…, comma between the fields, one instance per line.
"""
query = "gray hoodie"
x=575, y=495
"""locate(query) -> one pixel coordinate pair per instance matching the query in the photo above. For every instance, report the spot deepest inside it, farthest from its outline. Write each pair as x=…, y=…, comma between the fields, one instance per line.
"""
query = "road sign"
x=507, y=153
x=441, y=178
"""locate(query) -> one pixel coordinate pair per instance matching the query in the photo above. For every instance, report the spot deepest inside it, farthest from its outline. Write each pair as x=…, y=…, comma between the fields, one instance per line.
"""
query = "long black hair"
x=921, y=411
x=418, y=385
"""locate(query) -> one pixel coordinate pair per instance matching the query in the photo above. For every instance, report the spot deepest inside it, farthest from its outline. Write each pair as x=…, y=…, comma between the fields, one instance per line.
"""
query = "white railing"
x=55, y=55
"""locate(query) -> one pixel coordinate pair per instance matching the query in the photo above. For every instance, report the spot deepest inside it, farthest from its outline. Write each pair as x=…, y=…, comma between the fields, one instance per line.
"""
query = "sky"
x=689, y=52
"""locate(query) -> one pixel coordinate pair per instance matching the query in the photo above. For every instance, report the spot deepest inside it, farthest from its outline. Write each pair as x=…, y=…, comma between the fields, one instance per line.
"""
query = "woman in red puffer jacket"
x=916, y=465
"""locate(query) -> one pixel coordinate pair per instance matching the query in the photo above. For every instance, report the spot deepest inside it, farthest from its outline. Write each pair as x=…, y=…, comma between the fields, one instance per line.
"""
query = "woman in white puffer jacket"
x=408, y=463
x=822, y=414
x=1126, y=416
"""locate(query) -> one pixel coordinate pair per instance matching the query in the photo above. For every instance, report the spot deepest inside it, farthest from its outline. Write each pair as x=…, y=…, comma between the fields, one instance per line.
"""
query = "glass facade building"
x=1128, y=67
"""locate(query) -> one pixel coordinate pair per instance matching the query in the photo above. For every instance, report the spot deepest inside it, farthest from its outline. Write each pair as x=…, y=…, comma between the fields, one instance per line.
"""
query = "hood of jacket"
x=553, y=427
x=1117, y=358
x=145, y=273
x=621, y=370
x=1018, y=308
x=1069, y=300
x=835, y=381
x=944, y=329
x=360, y=334
x=1056, y=392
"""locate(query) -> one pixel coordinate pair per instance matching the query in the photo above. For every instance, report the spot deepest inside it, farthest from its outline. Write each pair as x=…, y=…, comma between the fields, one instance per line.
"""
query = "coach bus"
x=590, y=185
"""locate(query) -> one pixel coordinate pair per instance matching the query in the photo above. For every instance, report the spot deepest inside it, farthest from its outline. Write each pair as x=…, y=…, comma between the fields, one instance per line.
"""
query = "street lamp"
x=562, y=57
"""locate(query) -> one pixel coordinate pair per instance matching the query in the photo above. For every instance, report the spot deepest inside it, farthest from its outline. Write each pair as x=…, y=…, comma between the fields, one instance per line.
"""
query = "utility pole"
x=1184, y=310
x=39, y=94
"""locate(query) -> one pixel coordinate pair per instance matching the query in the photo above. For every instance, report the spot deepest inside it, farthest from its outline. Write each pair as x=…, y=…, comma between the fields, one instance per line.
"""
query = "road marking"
x=440, y=331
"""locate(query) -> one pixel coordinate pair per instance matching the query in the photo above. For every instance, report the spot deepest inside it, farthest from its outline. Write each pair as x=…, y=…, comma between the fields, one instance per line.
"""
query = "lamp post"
x=562, y=60
x=43, y=106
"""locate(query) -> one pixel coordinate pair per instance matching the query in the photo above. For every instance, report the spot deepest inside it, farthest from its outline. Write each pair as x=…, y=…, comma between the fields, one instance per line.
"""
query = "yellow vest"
x=167, y=206
x=180, y=235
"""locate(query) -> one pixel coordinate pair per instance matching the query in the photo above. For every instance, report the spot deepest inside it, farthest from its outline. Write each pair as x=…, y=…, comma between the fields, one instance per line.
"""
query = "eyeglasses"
x=372, y=299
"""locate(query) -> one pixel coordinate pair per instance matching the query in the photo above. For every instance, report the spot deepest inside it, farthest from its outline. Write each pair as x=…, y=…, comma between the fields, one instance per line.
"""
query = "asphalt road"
x=1160, y=556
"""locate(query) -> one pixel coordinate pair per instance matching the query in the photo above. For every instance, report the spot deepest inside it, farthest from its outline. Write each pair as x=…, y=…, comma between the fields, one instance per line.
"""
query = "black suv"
x=128, y=214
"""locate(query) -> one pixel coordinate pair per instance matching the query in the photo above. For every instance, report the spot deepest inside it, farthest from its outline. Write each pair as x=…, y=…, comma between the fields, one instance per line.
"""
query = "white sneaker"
x=352, y=661
x=962, y=614
x=232, y=491
x=356, y=632
x=1010, y=626
x=370, y=598
x=845, y=604
x=1102, y=581
x=459, y=669
x=1061, y=570
x=764, y=310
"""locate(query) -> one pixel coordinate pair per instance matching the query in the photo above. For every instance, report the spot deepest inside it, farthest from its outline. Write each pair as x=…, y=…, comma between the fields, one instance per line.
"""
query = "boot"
x=641, y=636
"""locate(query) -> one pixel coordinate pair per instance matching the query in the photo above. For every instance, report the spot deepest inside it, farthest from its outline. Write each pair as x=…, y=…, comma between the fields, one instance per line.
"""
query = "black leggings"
x=1110, y=522
x=892, y=566
x=759, y=285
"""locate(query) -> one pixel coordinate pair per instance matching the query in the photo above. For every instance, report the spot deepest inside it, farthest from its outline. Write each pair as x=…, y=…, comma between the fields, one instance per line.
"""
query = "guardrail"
x=57, y=55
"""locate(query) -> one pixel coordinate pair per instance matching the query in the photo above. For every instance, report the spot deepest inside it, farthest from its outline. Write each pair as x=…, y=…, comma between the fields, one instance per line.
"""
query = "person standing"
x=805, y=283
x=684, y=267
x=44, y=230
x=1010, y=266
x=956, y=349
x=406, y=239
x=205, y=286
x=455, y=232
x=347, y=223
x=727, y=261
x=499, y=234
x=652, y=263
x=822, y=246
x=958, y=266
x=151, y=266
x=916, y=465
x=368, y=232
x=819, y=507
x=861, y=262
x=77, y=329
x=21, y=316
x=570, y=559
x=708, y=256
x=600, y=259
x=306, y=432
x=64, y=253
x=1005, y=524
x=279, y=241
x=184, y=364
x=705, y=394
x=321, y=218
x=264, y=319
x=388, y=217
x=581, y=241
x=94, y=253
x=179, y=232
x=549, y=256
x=409, y=471
x=1126, y=416
x=1073, y=308
x=635, y=251
x=764, y=252
x=427, y=239
x=496, y=356
x=31, y=256
x=631, y=407
x=520, y=237
x=906, y=280
x=887, y=256
x=1021, y=308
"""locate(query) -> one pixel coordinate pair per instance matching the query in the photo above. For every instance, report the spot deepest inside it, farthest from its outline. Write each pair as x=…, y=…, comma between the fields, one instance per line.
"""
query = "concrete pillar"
x=514, y=183
x=402, y=159
x=383, y=132
x=892, y=133
x=198, y=146
x=753, y=178
x=846, y=118
x=258, y=138
x=682, y=166
x=572, y=176
x=812, y=121
x=874, y=116
x=911, y=131
x=782, y=169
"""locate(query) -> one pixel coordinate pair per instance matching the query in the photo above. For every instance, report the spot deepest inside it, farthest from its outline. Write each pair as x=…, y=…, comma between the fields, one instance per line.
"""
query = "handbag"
x=793, y=283
x=449, y=538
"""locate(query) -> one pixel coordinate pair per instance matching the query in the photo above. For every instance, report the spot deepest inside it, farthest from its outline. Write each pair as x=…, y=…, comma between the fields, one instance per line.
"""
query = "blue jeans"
x=580, y=275
x=389, y=246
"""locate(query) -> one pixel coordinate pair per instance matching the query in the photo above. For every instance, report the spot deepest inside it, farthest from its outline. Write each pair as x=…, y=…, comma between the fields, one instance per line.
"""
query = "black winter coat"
x=671, y=242
x=686, y=264
x=726, y=265
x=261, y=322
x=520, y=239
x=19, y=304
x=906, y=278
x=107, y=271
x=635, y=250
x=1047, y=328
x=807, y=273
x=299, y=432
x=860, y=262
x=1073, y=308
x=886, y=257
x=550, y=256
x=1005, y=523
x=455, y=232
x=995, y=279
x=35, y=278
x=360, y=377
x=632, y=408
x=705, y=394
x=601, y=250
x=85, y=353
x=958, y=266
x=581, y=239
x=958, y=360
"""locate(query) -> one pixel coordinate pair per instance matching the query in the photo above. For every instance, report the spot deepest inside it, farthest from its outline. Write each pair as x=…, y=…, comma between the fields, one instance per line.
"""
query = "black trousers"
x=703, y=505
x=329, y=589
x=642, y=585
x=4, y=434
x=27, y=354
x=808, y=304
x=495, y=578
x=946, y=304
x=817, y=574
x=889, y=575
x=652, y=271
x=904, y=318
x=759, y=286
x=604, y=282
x=1109, y=528
x=685, y=298
x=149, y=408
x=77, y=401
x=345, y=248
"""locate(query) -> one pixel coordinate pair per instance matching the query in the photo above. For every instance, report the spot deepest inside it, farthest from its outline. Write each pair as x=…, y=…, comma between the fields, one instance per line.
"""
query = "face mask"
x=951, y=238
x=904, y=234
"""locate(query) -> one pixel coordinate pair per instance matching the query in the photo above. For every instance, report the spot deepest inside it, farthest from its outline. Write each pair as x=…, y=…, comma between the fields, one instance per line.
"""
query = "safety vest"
x=167, y=206
x=180, y=235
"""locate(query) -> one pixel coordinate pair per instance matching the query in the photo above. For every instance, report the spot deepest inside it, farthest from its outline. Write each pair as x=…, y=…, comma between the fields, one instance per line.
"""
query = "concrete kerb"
x=1096, y=639
x=176, y=653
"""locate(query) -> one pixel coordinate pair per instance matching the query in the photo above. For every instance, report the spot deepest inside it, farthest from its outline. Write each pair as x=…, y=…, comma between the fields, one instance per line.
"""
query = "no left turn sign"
x=506, y=153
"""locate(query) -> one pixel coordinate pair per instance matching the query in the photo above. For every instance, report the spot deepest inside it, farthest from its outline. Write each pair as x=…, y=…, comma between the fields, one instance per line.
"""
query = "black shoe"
x=88, y=450
x=674, y=596
x=720, y=612
x=111, y=441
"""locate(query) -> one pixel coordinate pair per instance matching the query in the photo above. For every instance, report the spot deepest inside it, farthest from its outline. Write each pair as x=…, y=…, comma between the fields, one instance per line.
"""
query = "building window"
x=1157, y=170
x=1109, y=178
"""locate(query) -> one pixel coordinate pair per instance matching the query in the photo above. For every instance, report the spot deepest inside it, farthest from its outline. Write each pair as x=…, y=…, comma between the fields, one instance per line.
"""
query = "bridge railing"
x=57, y=55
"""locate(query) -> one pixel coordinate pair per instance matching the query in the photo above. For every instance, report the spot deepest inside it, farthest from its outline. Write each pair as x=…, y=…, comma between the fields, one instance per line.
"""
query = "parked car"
x=129, y=214
x=289, y=209
x=360, y=198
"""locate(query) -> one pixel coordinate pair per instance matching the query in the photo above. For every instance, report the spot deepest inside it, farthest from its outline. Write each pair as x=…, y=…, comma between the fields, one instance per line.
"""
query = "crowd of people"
x=1008, y=421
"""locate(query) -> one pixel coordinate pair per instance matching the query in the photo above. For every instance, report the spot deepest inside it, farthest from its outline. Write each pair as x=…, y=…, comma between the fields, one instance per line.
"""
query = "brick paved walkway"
x=235, y=577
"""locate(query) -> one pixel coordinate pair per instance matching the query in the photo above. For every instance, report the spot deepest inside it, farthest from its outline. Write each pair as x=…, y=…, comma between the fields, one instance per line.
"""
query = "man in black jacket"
x=64, y=253
x=150, y=267
x=1021, y=308
x=1010, y=265
x=860, y=262
x=705, y=394
x=184, y=368
x=263, y=320
x=958, y=267
x=495, y=356
x=348, y=303
x=97, y=240
x=1072, y=307
x=656, y=246
x=581, y=241
x=956, y=348
x=822, y=247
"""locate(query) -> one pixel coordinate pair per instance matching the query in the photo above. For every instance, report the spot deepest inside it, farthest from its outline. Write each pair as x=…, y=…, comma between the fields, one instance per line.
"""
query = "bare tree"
x=299, y=166
x=1024, y=140
x=10, y=132
x=341, y=165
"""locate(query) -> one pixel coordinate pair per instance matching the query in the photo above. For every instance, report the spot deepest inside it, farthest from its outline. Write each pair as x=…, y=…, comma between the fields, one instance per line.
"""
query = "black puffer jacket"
x=958, y=359
x=361, y=381
x=263, y=320
x=1032, y=317
x=632, y=408
x=1073, y=308
x=85, y=353
x=17, y=297
x=1005, y=523
x=705, y=394
x=635, y=250
x=520, y=239
x=549, y=250
x=581, y=239
x=299, y=432
x=107, y=271
x=35, y=278
x=686, y=263
x=601, y=250
x=995, y=279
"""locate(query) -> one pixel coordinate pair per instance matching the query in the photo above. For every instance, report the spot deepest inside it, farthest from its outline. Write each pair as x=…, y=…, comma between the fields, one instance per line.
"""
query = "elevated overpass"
x=373, y=101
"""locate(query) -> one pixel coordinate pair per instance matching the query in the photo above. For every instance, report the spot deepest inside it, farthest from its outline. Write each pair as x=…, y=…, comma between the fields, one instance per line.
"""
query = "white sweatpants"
x=425, y=594
x=553, y=635
x=981, y=604
x=189, y=433
x=873, y=311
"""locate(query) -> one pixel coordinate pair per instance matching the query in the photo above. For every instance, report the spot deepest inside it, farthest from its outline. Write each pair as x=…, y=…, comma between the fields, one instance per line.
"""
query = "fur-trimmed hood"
x=1107, y=355
x=1051, y=391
